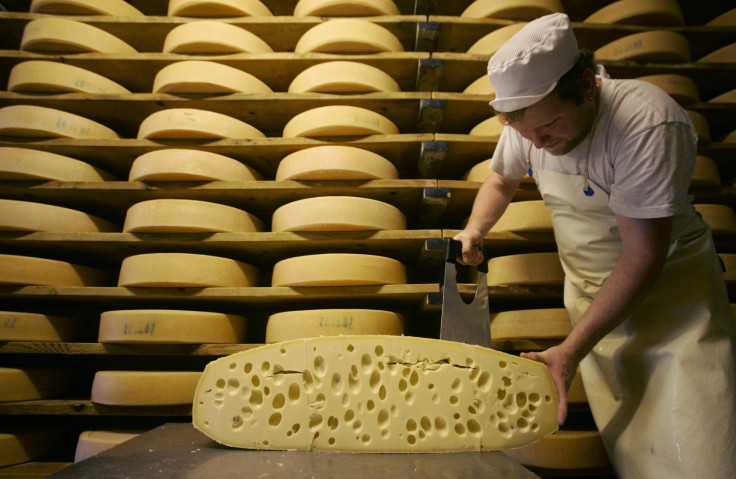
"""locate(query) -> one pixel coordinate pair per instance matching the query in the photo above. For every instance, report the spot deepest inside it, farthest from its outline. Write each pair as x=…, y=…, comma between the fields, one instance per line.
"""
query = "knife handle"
x=454, y=248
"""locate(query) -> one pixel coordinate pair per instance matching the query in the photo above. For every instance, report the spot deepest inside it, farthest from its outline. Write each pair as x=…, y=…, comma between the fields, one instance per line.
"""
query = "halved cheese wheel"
x=653, y=46
x=338, y=269
x=343, y=77
x=348, y=35
x=525, y=216
x=166, y=326
x=144, y=388
x=337, y=213
x=196, y=76
x=52, y=34
x=213, y=37
x=479, y=172
x=338, y=120
x=26, y=384
x=29, y=270
x=492, y=127
x=176, y=123
x=28, y=444
x=345, y=8
x=20, y=326
x=177, y=164
x=187, y=216
x=91, y=443
x=185, y=270
x=725, y=54
x=726, y=19
x=548, y=323
x=563, y=449
x=481, y=86
x=721, y=218
x=27, y=164
x=40, y=121
x=335, y=162
x=727, y=97
x=639, y=12
x=43, y=76
x=218, y=8
x=525, y=269
x=512, y=9
x=29, y=216
x=332, y=322
x=700, y=122
x=683, y=89
x=706, y=172
x=116, y=8
x=489, y=44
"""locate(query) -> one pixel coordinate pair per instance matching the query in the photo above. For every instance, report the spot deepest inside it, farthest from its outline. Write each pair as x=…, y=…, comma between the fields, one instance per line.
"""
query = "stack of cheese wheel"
x=343, y=77
x=525, y=216
x=178, y=123
x=91, y=443
x=290, y=325
x=179, y=164
x=196, y=76
x=525, y=269
x=491, y=128
x=702, y=128
x=548, y=323
x=659, y=46
x=28, y=443
x=115, y=8
x=61, y=35
x=335, y=162
x=57, y=77
x=213, y=38
x=705, y=173
x=345, y=8
x=42, y=122
x=338, y=120
x=564, y=449
x=337, y=213
x=338, y=269
x=27, y=164
x=348, y=35
x=683, y=89
x=721, y=218
x=144, y=388
x=640, y=12
x=725, y=54
x=490, y=43
x=726, y=97
x=726, y=19
x=188, y=216
x=185, y=270
x=512, y=9
x=22, y=326
x=218, y=8
x=26, y=384
x=29, y=270
x=28, y=216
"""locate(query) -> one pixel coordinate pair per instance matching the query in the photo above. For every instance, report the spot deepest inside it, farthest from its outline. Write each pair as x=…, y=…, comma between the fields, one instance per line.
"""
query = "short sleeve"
x=509, y=158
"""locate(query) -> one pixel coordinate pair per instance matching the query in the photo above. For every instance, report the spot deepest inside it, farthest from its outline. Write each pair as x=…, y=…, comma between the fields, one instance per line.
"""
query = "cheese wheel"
x=725, y=54
x=563, y=450
x=512, y=9
x=27, y=384
x=213, y=37
x=730, y=138
x=338, y=120
x=28, y=444
x=29, y=216
x=525, y=216
x=196, y=76
x=721, y=218
x=335, y=162
x=43, y=122
x=290, y=325
x=683, y=89
x=177, y=164
x=576, y=394
x=164, y=326
x=653, y=46
x=525, y=269
x=489, y=44
x=116, y=8
x=28, y=270
x=218, y=8
x=177, y=123
x=337, y=213
x=144, y=388
x=700, y=122
x=348, y=35
x=52, y=34
x=706, y=172
x=345, y=8
x=639, y=12
x=91, y=443
x=548, y=323
x=481, y=86
x=185, y=270
x=20, y=326
x=338, y=269
x=492, y=128
x=188, y=216
x=727, y=97
x=726, y=19
x=44, y=76
x=343, y=77
x=480, y=172
x=27, y=164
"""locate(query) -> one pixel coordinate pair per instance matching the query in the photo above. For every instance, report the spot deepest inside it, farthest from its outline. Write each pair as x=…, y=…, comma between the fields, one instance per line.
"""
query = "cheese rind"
x=726, y=97
x=22, y=326
x=702, y=128
x=638, y=12
x=374, y=394
x=725, y=54
x=492, y=128
x=177, y=164
x=291, y=325
x=726, y=19
x=706, y=172
x=683, y=89
x=653, y=46
x=721, y=218
x=564, y=449
x=525, y=269
x=144, y=388
x=177, y=123
x=91, y=443
x=194, y=76
x=28, y=444
x=186, y=216
x=481, y=86
x=218, y=8
x=27, y=384
x=491, y=42
x=338, y=120
x=213, y=37
x=548, y=323
x=53, y=34
x=337, y=213
x=335, y=162
x=185, y=270
x=41, y=122
x=525, y=216
x=116, y=8
x=343, y=77
x=28, y=270
x=348, y=35
x=29, y=216
x=338, y=269
x=345, y=8
x=512, y=9
x=28, y=164
x=45, y=76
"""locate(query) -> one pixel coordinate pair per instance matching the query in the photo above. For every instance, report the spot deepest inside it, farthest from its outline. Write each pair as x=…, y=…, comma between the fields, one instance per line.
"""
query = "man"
x=653, y=332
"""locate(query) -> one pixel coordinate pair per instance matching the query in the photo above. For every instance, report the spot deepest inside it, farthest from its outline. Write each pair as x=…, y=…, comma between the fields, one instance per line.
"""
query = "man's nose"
x=538, y=139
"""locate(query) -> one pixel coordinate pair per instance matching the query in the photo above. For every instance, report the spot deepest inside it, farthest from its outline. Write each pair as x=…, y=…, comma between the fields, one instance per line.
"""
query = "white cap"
x=527, y=67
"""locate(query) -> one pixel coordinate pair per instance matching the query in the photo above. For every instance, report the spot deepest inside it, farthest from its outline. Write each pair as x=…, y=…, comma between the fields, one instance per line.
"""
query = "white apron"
x=662, y=385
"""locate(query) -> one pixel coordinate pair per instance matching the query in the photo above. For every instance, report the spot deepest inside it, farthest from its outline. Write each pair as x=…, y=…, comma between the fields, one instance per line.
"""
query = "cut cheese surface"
x=721, y=218
x=26, y=384
x=43, y=122
x=165, y=326
x=727, y=97
x=706, y=172
x=338, y=120
x=564, y=450
x=493, y=41
x=335, y=162
x=374, y=394
x=144, y=388
x=345, y=8
x=525, y=269
x=29, y=216
x=337, y=213
x=481, y=86
x=525, y=216
x=639, y=12
x=45, y=76
x=512, y=9
x=348, y=35
x=291, y=325
x=116, y=8
x=725, y=54
x=492, y=128
x=213, y=37
x=702, y=128
x=29, y=270
x=683, y=89
x=726, y=19
x=187, y=216
x=91, y=443
x=177, y=164
x=338, y=269
x=185, y=270
x=196, y=76
x=61, y=35
x=343, y=77
x=653, y=46
x=28, y=164
x=218, y=8
x=177, y=123
x=548, y=323
x=22, y=326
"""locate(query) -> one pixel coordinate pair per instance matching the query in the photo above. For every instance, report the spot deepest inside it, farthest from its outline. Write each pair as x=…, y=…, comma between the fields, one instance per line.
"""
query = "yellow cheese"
x=335, y=162
x=343, y=77
x=196, y=76
x=700, y=122
x=639, y=12
x=348, y=35
x=188, y=216
x=52, y=34
x=332, y=322
x=27, y=384
x=727, y=97
x=730, y=138
x=44, y=76
x=144, y=388
x=576, y=394
x=683, y=89
x=525, y=216
x=91, y=443
x=481, y=86
x=218, y=8
x=345, y=8
x=721, y=218
x=176, y=164
x=28, y=270
x=490, y=43
x=164, y=326
x=338, y=269
x=549, y=323
x=176, y=123
x=213, y=37
x=116, y=8
x=28, y=444
x=525, y=269
x=479, y=173
x=20, y=326
x=563, y=450
x=653, y=46
x=42, y=122
x=492, y=127
x=512, y=9
x=726, y=19
x=185, y=270
x=725, y=54
x=28, y=216
x=27, y=164
x=706, y=172
x=374, y=394
x=338, y=120
x=337, y=213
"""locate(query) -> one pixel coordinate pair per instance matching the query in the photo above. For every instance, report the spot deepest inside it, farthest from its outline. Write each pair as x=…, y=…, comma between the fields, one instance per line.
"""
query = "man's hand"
x=562, y=367
x=472, y=250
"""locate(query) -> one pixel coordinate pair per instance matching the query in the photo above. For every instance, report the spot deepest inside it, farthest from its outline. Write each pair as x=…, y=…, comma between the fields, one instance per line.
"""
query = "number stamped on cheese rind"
x=146, y=329
x=346, y=322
